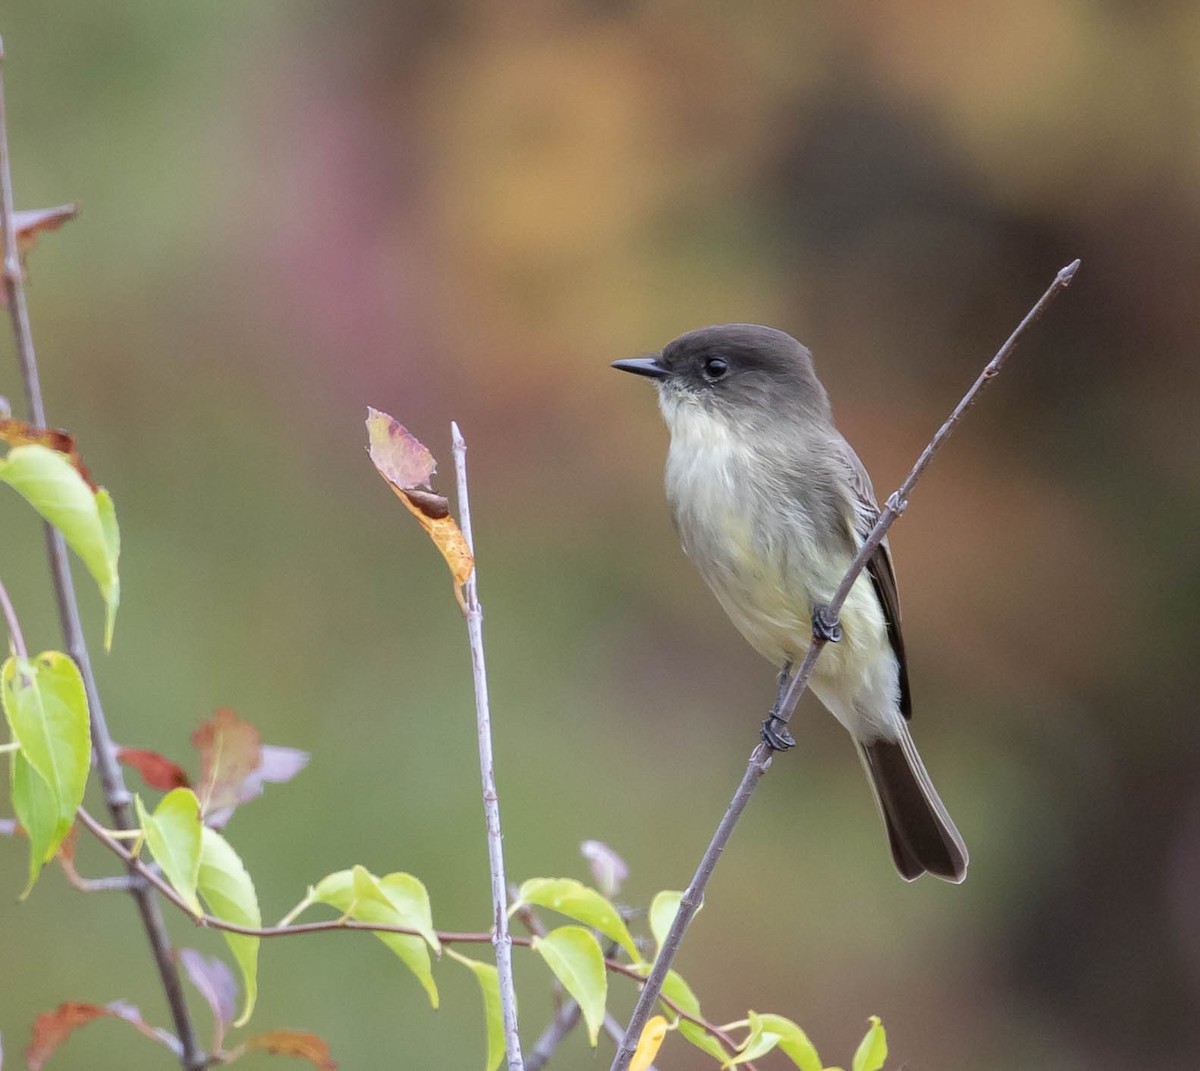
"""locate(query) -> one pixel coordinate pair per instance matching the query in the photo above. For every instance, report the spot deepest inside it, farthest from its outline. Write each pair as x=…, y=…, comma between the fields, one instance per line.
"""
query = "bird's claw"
x=825, y=625
x=775, y=734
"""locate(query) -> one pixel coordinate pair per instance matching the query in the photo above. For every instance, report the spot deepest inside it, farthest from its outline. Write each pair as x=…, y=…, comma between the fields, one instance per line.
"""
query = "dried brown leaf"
x=19, y=433
x=230, y=753
x=294, y=1043
x=407, y=465
x=51, y=1029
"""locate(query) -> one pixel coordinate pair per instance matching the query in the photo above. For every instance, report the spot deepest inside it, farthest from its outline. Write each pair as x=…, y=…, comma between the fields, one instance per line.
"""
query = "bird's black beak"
x=643, y=366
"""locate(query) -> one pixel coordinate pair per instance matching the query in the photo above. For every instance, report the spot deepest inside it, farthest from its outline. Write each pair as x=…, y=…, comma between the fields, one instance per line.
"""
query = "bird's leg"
x=774, y=730
x=825, y=625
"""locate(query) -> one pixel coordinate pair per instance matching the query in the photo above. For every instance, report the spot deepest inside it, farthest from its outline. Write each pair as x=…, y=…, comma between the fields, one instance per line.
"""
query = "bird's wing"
x=879, y=565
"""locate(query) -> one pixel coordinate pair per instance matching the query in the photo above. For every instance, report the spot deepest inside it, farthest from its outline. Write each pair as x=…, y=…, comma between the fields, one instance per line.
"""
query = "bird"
x=771, y=504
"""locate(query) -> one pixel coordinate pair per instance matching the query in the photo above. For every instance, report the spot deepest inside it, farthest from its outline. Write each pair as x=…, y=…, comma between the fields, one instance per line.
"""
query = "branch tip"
x=1068, y=273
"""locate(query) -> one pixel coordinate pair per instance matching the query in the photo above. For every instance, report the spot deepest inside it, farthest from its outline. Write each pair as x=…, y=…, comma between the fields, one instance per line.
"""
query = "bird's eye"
x=715, y=368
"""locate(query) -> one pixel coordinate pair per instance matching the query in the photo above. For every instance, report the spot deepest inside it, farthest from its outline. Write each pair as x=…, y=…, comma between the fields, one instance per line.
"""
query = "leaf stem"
x=501, y=938
x=116, y=795
x=760, y=758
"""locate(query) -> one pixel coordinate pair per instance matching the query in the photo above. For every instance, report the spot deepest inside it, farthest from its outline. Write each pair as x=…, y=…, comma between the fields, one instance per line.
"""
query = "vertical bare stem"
x=116, y=795
x=760, y=759
x=16, y=641
x=501, y=939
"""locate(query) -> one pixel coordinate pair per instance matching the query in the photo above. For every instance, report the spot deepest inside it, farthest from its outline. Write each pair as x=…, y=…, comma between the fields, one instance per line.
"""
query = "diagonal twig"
x=501, y=938
x=760, y=758
x=116, y=795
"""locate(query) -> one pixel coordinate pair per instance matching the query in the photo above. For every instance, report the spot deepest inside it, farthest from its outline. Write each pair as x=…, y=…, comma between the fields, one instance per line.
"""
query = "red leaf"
x=51, y=1029
x=156, y=771
x=230, y=752
x=294, y=1043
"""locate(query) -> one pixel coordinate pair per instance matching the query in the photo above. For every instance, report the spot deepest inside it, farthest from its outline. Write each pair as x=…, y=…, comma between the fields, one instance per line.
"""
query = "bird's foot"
x=825, y=625
x=775, y=734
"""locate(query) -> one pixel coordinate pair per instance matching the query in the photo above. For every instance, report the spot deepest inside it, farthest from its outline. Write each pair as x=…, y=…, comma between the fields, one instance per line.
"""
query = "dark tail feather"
x=921, y=835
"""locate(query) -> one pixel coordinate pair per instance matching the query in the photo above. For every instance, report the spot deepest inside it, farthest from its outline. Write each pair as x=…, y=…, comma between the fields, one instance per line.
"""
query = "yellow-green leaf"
x=173, y=835
x=575, y=900
x=792, y=1041
x=52, y=485
x=872, y=1050
x=411, y=899
x=676, y=989
x=37, y=811
x=489, y=985
x=758, y=1042
x=649, y=1043
x=360, y=895
x=229, y=893
x=46, y=708
x=575, y=957
x=663, y=909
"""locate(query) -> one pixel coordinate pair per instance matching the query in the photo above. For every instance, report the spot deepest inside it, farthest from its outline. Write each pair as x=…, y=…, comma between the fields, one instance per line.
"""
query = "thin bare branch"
x=501, y=939
x=116, y=795
x=560, y=1026
x=760, y=758
x=15, y=638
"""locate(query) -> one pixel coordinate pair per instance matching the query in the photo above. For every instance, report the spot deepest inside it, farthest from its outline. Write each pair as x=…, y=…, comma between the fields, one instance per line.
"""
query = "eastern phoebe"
x=772, y=504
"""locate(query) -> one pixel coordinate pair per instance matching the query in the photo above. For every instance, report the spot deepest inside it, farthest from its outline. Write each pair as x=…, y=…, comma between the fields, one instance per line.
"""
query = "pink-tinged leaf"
x=121, y=1009
x=215, y=981
x=280, y=764
x=404, y=462
x=608, y=869
x=156, y=771
x=51, y=1029
x=294, y=1043
x=400, y=457
x=30, y=222
x=230, y=751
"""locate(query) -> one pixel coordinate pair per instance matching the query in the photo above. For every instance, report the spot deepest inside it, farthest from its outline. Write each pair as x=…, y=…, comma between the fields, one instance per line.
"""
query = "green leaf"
x=759, y=1042
x=46, y=707
x=229, y=893
x=575, y=957
x=575, y=900
x=360, y=895
x=410, y=897
x=872, y=1050
x=663, y=909
x=792, y=1041
x=37, y=811
x=53, y=486
x=489, y=984
x=173, y=835
x=676, y=989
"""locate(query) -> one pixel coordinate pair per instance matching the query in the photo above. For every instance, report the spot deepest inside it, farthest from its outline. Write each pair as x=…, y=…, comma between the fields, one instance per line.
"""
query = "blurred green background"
x=466, y=210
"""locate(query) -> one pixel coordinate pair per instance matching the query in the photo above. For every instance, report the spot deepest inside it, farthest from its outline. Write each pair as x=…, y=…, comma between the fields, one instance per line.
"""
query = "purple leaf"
x=215, y=982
